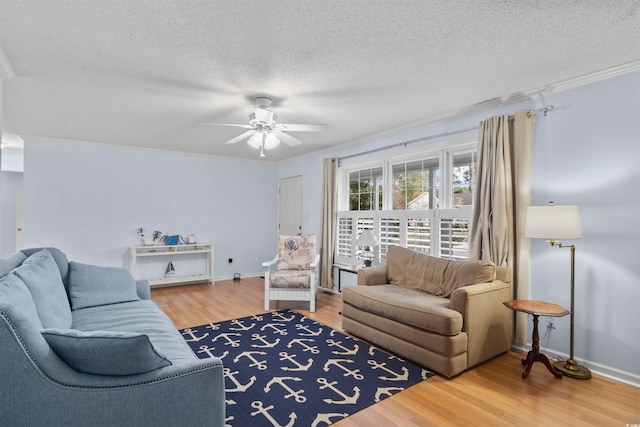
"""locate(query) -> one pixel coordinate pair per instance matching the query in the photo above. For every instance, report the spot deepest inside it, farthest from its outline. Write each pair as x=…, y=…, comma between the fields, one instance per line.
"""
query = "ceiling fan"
x=265, y=132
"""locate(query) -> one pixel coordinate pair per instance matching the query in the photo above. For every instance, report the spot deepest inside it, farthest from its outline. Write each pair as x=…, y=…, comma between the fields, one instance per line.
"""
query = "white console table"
x=166, y=253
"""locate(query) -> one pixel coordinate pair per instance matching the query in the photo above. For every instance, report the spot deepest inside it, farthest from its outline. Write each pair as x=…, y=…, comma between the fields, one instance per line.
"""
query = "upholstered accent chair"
x=295, y=277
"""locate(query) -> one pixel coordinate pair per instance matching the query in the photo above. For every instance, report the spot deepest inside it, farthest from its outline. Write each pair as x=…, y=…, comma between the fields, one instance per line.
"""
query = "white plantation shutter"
x=419, y=234
x=439, y=232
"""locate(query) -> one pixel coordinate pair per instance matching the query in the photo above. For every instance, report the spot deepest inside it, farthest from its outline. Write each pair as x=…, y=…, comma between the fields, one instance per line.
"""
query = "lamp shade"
x=256, y=140
x=270, y=141
x=553, y=222
x=367, y=238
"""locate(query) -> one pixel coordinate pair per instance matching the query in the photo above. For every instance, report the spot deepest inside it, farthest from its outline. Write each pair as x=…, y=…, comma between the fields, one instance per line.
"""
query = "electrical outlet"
x=550, y=324
x=230, y=260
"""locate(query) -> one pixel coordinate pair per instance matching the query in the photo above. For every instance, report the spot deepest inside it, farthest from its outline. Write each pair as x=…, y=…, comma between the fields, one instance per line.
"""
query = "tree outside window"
x=416, y=185
x=365, y=189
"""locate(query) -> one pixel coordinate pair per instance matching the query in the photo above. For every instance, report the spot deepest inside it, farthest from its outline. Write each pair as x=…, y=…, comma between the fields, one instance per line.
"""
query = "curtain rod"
x=405, y=143
x=546, y=109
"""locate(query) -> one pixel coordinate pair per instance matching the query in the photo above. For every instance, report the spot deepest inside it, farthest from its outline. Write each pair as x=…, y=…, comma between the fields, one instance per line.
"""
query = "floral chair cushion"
x=296, y=252
x=290, y=279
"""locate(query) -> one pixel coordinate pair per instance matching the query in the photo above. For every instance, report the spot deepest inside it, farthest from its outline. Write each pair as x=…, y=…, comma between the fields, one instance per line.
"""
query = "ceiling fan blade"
x=225, y=124
x=302, y=127
x=288, y=139
x=240, y=137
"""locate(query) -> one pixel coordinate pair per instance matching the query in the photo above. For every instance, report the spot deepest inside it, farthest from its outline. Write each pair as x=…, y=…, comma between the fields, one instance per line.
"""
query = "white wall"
x=587, y=152
x=10, y=185
x=2, y=250
x=89, y=199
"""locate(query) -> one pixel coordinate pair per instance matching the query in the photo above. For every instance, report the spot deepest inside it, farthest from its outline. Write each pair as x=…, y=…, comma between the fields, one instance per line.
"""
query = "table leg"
x=535, y=356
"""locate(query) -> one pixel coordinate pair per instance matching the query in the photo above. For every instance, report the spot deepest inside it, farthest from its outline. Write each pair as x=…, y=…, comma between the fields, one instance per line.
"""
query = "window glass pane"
x=415, y=184
x=464, y=168
x=365, y=189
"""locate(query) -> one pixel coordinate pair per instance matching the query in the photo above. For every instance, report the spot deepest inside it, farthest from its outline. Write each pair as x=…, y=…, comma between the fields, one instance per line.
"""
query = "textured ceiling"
x=141, y=73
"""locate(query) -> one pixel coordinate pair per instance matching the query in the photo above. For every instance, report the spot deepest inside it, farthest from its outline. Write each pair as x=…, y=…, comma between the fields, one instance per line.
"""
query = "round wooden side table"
x=537, y=308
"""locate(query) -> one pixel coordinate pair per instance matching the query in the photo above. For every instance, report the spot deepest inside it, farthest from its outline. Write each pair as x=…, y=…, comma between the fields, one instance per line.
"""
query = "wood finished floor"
x=492, y=394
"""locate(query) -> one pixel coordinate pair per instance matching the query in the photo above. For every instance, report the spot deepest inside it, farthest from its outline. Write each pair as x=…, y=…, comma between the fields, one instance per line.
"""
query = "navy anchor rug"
x=285, y=369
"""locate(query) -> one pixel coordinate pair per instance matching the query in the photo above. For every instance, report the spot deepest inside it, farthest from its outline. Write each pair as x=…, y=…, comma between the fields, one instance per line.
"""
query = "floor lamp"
x=553, y=222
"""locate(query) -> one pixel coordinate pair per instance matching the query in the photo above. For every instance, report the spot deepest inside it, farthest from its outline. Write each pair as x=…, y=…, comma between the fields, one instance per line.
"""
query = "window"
x=463, y=175
x=415, y=184
x=427, y=207
x=365, y=189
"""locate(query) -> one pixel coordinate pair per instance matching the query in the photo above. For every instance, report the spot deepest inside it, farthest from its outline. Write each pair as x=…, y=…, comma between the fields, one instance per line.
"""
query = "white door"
x=290, y=206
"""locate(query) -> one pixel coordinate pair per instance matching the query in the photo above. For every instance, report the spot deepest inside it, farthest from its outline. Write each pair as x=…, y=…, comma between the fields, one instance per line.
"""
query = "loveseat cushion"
x=105, y=352
x=9, y=263
x=42, y=276
x=418, y=309
x=290, y=279
x=91, y=285
x=437, y=276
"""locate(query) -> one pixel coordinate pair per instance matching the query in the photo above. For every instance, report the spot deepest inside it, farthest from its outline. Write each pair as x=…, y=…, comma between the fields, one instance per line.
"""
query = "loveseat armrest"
x=487, y=322
x=370, y=276
x=143, y=289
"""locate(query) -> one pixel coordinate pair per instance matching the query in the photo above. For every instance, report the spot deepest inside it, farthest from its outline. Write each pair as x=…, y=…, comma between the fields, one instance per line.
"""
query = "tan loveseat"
x=445, y=315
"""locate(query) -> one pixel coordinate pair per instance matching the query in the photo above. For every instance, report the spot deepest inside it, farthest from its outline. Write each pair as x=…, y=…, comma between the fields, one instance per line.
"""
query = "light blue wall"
x=586, y=152
x=89, y=199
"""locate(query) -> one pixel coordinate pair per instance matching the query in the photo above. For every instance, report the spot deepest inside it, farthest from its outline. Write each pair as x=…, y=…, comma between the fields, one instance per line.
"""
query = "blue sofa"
x=82, y=345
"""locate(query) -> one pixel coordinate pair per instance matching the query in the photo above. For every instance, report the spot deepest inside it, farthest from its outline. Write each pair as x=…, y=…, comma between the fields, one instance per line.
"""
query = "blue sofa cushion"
x=105, y=352
x=143, y=317
x=42, y=276
x=91, y=286
x=9, y=263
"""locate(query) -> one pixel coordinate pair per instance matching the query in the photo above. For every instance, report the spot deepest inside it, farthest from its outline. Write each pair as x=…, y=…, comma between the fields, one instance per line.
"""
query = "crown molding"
x=6, y=70
x=589, y=78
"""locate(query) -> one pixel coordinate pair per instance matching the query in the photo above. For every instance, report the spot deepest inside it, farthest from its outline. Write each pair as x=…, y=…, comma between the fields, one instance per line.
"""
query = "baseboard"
x=243, y=276
x=612, y=373
x=328, y=291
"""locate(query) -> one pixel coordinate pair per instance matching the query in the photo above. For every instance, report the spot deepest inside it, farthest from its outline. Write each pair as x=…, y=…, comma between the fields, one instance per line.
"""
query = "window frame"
x=351, y=223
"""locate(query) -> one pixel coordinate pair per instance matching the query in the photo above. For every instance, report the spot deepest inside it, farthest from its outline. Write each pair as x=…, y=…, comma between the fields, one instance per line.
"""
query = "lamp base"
x=570, y=368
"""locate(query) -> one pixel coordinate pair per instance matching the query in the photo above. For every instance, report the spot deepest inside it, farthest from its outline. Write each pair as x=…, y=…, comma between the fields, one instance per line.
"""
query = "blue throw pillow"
x=9, y=263
x=90, y=286
x=105, y=352
x=41, y=275
x=17, y=302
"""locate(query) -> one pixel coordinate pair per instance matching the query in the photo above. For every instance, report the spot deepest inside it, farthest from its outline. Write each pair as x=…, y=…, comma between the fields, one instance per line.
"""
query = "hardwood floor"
x=492, y=394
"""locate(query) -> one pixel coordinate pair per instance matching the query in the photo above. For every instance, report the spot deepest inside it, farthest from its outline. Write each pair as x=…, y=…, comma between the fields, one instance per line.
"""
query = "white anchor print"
x=265, y=411
x=297, y=395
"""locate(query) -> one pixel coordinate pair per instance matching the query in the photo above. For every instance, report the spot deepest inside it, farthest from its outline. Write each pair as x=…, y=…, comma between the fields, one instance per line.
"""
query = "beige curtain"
x=503, y=191
x=328, y=227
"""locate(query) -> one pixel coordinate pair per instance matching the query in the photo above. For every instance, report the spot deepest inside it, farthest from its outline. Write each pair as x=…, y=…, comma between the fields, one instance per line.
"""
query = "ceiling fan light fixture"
x=271, y=141
x=262, y=115
x=256, y=140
